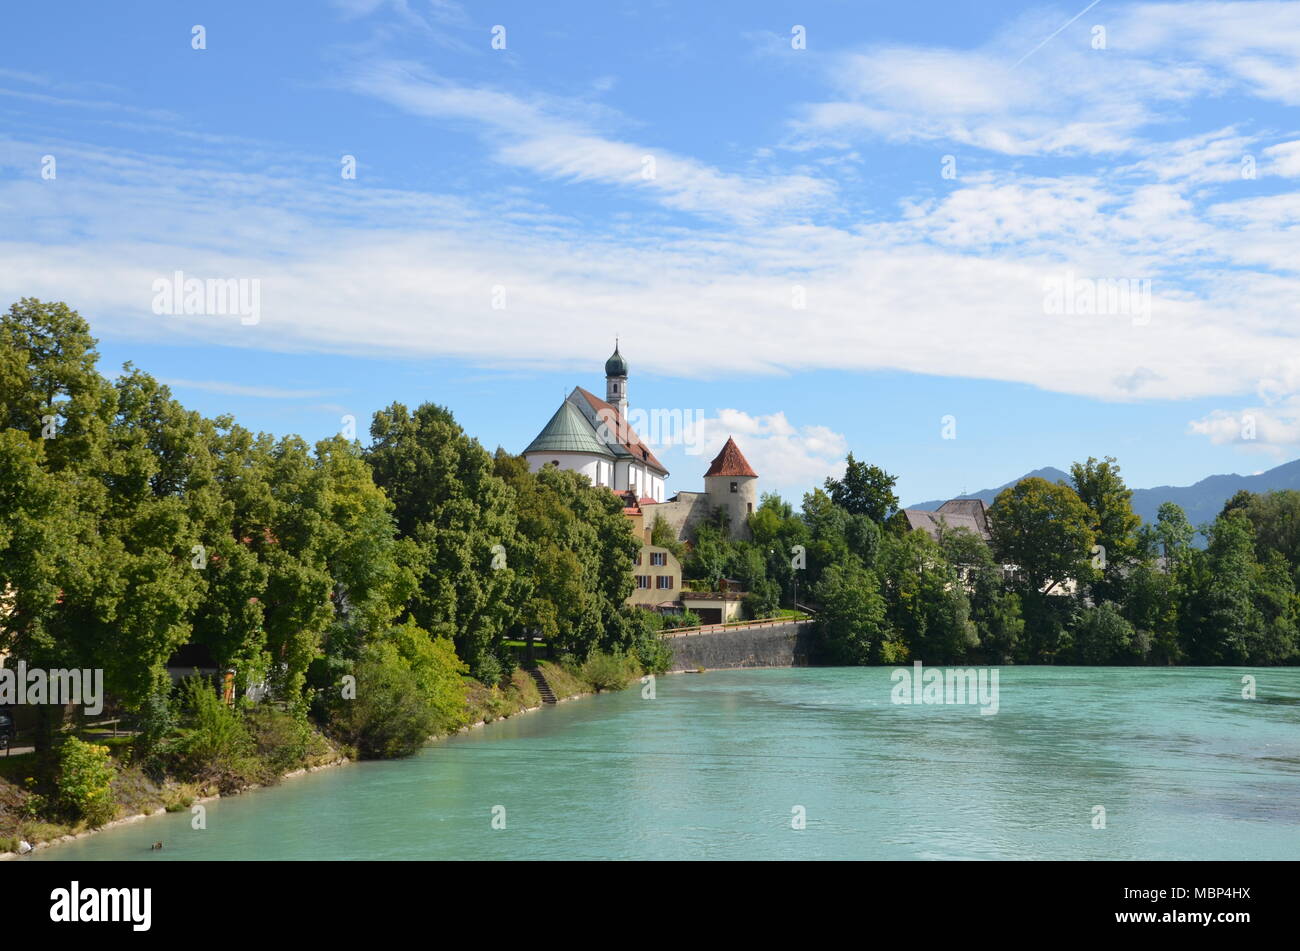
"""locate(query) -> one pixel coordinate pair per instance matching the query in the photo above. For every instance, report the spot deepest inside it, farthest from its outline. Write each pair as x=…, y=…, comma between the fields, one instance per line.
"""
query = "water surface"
x=713, y=766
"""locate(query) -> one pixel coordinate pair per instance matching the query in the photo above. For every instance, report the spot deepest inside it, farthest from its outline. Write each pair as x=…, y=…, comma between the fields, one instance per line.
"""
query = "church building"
x=592, y=436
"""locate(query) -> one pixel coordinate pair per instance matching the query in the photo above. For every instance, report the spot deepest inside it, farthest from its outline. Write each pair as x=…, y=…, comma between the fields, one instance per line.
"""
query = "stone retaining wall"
x=777, y=645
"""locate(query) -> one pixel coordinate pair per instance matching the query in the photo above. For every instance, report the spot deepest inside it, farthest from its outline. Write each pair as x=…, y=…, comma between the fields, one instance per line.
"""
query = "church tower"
x=616, y=382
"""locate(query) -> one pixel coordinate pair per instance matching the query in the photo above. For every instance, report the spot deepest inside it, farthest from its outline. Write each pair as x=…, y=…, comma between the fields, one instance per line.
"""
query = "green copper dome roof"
x=568, y=431
x=616, y=365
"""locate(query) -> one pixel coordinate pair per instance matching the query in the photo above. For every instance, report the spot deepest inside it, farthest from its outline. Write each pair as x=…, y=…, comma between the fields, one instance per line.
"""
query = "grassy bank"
x=89, y=781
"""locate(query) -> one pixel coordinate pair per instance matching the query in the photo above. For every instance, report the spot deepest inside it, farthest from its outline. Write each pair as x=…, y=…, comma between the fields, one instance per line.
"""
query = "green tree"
x=1045, y=530
x=994, y=611
x=851, y=624
x=461, y=517
x=1103, y=635
x=927, y=605
x=1114, y=524
x=865, y=490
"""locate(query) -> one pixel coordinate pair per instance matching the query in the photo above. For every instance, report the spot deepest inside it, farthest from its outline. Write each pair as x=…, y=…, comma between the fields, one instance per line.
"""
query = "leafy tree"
x=1114, y=524
x=927, y=605
x=456, y=510
x=865, y=490
x=1045, y=530
x=995, y=611
x=851, y=624
x=1174, y=532
x=1103, y=635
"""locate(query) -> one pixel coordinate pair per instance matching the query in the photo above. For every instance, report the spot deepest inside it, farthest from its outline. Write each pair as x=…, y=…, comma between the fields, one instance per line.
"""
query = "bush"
x=157, y=719
x=390, y=716
x=653, y=654
x=216, y=745
x=763, y=601
x=85, y=781
x=488, y=670
x=282, y=740
x=1103, y=636
x=609, y=671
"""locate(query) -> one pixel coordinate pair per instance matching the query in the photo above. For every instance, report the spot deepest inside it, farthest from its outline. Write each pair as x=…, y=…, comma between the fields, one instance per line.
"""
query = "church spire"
x=616, y=381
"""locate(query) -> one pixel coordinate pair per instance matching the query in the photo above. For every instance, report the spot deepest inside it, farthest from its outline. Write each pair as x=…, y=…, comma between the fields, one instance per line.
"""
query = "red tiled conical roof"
x=730, y=462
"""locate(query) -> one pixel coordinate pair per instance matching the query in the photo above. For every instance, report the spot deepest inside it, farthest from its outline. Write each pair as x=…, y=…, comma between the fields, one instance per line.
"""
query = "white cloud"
x=239, y=389
x=1269, y=429
x=1067, y=98
x=552, y=137
x=787, y=457
x=1284, y=159
x=948, y=285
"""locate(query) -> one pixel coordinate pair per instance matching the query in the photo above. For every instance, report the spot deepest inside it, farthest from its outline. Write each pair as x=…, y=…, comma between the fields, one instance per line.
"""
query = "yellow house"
x=658, y=578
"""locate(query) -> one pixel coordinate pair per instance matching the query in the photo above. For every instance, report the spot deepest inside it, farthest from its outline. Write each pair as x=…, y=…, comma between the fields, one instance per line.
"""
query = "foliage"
x=609, y=671
x=389, y=716
x=852, y=621
x=214, y=744
x=1102, y=635
x=865, y=490
x=85, y=780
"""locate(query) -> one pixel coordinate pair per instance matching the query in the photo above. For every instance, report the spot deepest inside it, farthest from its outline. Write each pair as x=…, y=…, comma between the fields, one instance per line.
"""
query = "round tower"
x=731, y=484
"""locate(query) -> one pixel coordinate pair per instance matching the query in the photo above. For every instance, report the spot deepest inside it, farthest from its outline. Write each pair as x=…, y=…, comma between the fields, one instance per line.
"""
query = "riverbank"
x=141, y=797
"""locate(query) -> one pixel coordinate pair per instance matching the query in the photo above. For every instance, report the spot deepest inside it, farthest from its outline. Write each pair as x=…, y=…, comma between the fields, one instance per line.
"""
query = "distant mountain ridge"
x=1201, y=501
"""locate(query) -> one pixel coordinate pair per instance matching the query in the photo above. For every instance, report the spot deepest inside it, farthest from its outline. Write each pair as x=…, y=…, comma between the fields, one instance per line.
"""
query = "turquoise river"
x=717, y=766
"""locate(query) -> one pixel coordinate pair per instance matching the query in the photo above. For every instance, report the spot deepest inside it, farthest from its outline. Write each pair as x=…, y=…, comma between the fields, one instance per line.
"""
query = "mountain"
x=1051, y=474
x=1202, y=501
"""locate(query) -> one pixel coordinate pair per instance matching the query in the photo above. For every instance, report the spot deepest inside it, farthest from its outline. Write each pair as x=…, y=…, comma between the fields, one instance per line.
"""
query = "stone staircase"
x=548, y=695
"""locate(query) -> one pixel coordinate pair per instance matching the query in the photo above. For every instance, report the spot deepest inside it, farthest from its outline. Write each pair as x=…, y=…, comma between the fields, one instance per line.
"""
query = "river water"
x=722, y=765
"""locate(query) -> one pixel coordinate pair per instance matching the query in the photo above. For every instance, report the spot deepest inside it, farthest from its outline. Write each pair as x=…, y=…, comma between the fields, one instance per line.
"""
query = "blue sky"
x=821, y=249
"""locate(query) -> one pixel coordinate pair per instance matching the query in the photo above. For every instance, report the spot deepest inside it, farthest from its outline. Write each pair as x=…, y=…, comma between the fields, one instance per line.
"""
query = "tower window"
x=735, y=487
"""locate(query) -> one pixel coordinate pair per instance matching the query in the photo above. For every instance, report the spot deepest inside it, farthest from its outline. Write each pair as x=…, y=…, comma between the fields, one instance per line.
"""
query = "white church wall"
x=583, y=462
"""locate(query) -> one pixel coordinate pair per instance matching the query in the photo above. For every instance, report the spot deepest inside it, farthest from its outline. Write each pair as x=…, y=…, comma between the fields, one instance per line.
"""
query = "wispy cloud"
x=239, y=389
x=553, y=138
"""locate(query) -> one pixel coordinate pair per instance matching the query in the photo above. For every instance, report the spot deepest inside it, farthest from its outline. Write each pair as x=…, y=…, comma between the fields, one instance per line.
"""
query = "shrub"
x=390, y=716
x=216, y=745
x=609, y=671
x=438, y=672
x=282, y=741
x=85, y=781
x=157, y=719
x=488, y=670
x=653, y=654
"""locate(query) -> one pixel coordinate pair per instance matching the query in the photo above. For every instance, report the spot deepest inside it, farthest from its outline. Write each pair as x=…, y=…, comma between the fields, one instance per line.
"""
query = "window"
x=659, y=558
x=664, y=581
x=735, y=487
x=751, y=508
x=643, y=581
